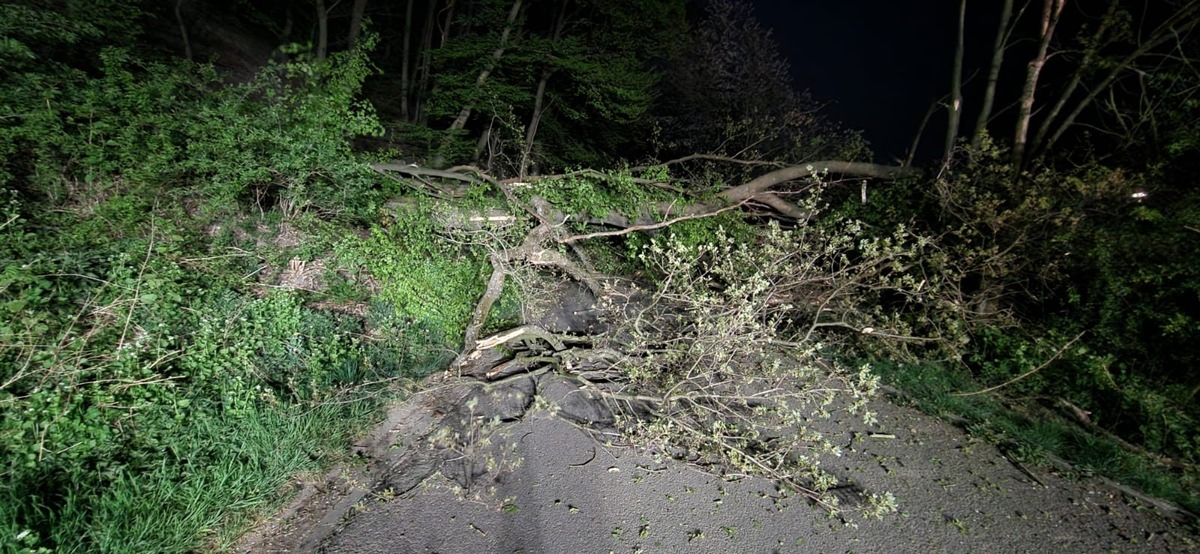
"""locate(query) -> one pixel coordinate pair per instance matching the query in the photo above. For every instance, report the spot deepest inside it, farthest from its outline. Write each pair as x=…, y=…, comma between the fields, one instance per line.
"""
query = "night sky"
x=879, y=64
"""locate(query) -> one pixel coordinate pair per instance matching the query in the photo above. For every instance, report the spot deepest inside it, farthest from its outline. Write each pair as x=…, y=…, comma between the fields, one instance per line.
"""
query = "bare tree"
x=1098, y=66
x=1051, y=11
x=1003, y=32
x=1182, y=22
x=955, y=106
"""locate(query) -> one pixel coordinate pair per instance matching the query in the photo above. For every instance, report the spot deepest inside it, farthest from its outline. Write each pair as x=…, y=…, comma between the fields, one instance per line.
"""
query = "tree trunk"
x=404, y=91
x=444, y=28
x=425, y=54
x=534, y=119
x=187, y=43
x=955, y=106
x=1089, y=56
x=538, y=98
x=916, y=143
x=1051, y=11
x=989, y=93
x=481, y=145
x=461, y=121
x=322, y=31
x=356, y=18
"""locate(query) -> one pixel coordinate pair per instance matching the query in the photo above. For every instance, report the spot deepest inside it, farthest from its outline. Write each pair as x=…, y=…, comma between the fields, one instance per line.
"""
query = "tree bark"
x=461, y=121
x=758, y=189
x=356, y=19
x=183, y=34
x=534, y=120
x=322, y=31
x=404, y=90
x=989, y=92
x=858, y=169
x=955, y=106
x=425, y=55
x=482, y=144
x=444, y=26
x=1051, y=11
x=1089, y=57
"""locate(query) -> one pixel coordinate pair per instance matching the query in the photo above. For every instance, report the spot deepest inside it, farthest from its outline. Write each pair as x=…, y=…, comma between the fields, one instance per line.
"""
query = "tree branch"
x=650, y=227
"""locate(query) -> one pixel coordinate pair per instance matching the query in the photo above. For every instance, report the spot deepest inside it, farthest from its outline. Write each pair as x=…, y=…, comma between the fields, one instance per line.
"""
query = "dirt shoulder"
x=542, y=483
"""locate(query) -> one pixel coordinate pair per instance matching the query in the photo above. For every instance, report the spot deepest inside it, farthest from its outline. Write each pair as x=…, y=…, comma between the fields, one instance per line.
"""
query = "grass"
x=1036, y=439
x=229, y=471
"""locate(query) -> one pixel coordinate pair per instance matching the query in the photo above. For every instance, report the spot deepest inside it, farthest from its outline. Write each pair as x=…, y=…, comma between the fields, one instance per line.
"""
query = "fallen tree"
x=722, y=360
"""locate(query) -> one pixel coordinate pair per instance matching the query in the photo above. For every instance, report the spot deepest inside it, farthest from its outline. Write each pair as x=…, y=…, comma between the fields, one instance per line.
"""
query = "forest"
x=232, y=232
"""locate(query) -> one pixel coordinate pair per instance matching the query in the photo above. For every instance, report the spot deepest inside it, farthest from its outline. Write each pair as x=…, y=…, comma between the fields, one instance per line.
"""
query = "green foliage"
x=41, y=33
x=1063, y=253
x=596, y=66
x=72, y=133
x=282, y=140
x=214, y=469
x=1107, y=262
x=107, y=357
x=596, y=194
x=141, y=386
x=696, y=232
x=432, y=283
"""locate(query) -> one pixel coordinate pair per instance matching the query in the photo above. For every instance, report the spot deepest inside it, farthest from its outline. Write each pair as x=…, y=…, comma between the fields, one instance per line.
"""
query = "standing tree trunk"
x=322, y=31
x=404, y=90
x=444, y=26
x=461, y=121
x=955, y=106
x=356, y=19
x=420, y=84
x=534, y=119
x=989, y=93
x=1089, y=57
x=482, y=144
x=187, y=43
x=1051, y=11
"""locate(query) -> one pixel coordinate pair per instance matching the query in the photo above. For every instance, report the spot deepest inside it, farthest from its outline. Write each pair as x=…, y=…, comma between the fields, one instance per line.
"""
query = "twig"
x=1027, y=373
x=650, y=227
x=138, y=286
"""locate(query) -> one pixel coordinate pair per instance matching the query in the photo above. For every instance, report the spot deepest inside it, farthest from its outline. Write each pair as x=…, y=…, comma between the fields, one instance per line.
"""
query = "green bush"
x=140, y=386
x=431, y=282
x=283, y=140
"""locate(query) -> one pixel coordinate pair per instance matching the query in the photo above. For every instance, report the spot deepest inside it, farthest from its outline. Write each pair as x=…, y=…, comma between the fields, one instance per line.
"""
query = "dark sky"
x=879, y=64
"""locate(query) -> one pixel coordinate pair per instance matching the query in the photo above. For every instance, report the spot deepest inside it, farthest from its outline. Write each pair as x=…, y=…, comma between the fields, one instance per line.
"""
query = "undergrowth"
x=157, y=390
